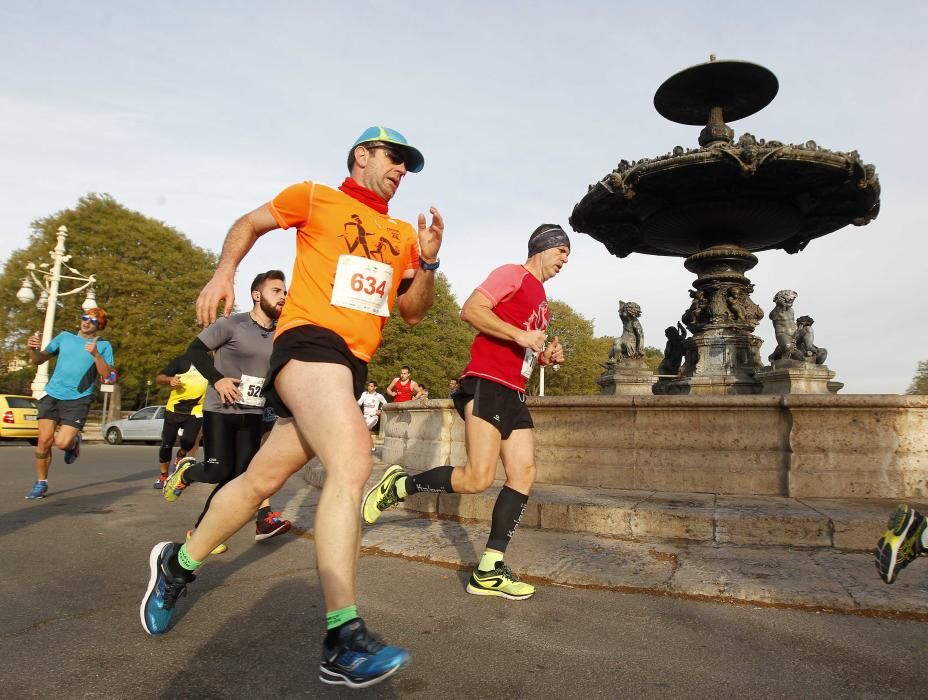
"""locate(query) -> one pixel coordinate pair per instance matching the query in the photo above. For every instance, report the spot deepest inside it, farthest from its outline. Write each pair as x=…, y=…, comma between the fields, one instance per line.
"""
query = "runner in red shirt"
x=402, y=388
x=510, y=312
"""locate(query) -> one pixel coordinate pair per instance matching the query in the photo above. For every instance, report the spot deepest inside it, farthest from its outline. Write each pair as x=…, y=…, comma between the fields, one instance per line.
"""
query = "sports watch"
x=430, y=267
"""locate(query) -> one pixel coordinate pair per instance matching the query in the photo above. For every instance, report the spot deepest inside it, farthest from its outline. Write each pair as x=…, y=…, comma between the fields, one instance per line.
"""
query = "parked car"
x=142, y=426
x=18, y=418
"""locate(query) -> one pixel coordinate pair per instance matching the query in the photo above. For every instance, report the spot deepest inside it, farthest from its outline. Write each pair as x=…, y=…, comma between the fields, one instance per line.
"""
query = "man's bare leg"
x=518, y=455
x=328, y=419
x=482, y=443
x=64, y=438
x=234, y=505
x=43, y=448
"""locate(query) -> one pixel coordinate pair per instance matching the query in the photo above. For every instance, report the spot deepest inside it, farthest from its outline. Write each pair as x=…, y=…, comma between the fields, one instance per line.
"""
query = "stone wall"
x=799, y=446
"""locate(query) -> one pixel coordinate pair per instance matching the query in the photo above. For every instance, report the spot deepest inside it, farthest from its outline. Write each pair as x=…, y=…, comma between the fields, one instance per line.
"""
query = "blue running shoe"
x=38, y=490
x=157, y=607
x=360, y=659
x=74, y=451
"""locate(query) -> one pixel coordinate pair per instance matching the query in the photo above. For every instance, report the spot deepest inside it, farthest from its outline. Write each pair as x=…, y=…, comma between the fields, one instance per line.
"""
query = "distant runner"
x=82, y=359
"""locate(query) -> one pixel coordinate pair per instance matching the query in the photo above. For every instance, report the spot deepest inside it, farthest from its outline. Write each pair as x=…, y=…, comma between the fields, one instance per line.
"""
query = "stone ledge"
x=656, y=516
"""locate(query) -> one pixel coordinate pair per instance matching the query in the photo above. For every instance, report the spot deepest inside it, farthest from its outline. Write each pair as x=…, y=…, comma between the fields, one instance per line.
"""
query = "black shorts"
x=498, y=405
x=71, y=412
x=310, y=344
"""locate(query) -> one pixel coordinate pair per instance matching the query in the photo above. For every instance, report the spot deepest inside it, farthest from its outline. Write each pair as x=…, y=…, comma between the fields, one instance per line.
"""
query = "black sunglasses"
x=85, y=317
x=396, y=157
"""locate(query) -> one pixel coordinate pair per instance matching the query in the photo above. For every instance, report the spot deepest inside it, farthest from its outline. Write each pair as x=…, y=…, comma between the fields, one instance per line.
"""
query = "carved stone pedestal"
x=719, y=361
x=797, y=377
x=629, y=377
x=722, y=355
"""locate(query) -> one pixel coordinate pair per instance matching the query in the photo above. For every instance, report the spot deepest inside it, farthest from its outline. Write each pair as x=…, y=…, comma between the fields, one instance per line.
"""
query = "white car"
x=142, y=426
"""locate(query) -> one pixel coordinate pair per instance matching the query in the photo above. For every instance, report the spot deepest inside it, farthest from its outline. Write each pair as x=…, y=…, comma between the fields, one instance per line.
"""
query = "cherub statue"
x=694, y=315
x=743, y=310
x=631, y=342
x=784, y=326
x=805, y=341
x=674, y=350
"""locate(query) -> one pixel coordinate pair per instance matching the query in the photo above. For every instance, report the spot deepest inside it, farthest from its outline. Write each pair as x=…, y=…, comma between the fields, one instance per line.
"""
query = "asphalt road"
x=74, y=567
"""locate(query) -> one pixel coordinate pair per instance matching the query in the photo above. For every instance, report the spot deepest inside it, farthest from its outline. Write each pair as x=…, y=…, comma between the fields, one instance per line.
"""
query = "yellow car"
x=18, y=418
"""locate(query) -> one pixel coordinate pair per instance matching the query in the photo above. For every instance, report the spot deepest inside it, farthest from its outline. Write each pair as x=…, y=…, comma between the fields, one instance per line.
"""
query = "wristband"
x=429, y=267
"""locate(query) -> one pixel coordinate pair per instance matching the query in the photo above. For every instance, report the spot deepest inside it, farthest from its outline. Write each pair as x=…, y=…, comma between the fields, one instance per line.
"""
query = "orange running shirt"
x=332, y=226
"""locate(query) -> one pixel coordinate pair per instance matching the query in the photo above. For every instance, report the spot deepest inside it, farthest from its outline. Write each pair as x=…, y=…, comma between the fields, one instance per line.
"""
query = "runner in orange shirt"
x=353, y=262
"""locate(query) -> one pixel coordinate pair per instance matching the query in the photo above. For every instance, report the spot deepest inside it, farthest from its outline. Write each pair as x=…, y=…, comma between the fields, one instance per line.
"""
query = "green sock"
x=489, y=560
x=401, y=487
x=185, y=560
x=337, y=618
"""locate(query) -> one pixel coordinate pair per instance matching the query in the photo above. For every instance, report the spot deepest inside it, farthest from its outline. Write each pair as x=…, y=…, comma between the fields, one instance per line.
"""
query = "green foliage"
x=920, y=380
x=18, y=382
x=584, y=353
x=435, y=350
x=148, y=277
x=653, y=357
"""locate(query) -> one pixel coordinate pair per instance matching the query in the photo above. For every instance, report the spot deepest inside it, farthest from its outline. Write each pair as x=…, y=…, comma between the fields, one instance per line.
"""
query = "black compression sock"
x=437, y=480
x=507, y=514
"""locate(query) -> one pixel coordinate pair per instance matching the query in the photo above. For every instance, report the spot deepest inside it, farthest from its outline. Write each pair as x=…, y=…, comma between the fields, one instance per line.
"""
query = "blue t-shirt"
x=75, y=371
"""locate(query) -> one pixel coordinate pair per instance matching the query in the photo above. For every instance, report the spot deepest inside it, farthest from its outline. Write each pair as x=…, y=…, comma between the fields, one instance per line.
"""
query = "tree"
x=148, y=278
x=920, y=380
x=584, y=353
x=653, y=357
x=436, y=349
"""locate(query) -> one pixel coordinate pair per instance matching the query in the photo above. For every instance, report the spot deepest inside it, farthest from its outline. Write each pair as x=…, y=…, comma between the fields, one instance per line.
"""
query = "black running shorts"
x=498, y=405
x=310, y=344
x=71, y=412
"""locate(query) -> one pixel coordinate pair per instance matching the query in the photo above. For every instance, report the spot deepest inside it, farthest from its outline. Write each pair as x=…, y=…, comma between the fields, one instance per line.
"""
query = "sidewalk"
x=813, y=554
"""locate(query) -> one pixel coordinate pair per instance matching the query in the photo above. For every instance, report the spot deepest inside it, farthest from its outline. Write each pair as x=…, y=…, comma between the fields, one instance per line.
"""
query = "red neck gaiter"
x=364, y=195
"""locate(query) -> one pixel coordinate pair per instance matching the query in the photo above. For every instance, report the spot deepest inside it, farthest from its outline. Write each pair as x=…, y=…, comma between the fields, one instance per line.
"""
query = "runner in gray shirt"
x=233, y=411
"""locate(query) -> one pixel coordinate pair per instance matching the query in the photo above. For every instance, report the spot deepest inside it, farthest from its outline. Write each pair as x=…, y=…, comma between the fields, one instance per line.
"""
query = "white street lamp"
x=49, y=281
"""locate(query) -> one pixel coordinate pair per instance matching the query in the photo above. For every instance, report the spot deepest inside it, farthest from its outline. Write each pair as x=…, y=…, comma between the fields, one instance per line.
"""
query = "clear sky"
x=196, y=112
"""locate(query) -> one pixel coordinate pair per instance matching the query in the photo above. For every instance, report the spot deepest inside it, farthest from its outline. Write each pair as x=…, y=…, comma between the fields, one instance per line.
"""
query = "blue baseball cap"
x=414, y=159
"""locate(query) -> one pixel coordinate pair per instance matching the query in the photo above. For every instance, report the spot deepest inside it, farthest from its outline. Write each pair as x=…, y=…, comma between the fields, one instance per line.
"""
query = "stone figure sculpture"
x=718, y=304
x=784, y=325
x=795, y=339
x=626, y=371
x=693, y=316
x=674, y=350
x=805, y=341
x=631, y=343
x=742, y=309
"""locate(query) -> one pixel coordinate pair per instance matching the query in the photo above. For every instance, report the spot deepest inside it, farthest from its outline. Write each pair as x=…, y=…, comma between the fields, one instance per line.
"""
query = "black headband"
x=548, y=237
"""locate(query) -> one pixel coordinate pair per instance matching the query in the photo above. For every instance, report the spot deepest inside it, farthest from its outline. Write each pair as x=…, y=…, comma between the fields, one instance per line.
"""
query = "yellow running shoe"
x=383, y=495
x=174, y=486
x=499, y=582
x=219, y=549
x=901, y=543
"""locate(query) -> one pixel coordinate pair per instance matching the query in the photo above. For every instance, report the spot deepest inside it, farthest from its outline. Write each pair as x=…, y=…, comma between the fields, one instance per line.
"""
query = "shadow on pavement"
x=32, y=512
x=270, y=649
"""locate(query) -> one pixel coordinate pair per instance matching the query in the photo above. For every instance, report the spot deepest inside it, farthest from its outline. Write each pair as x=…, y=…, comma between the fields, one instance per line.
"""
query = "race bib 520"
x=251, y=389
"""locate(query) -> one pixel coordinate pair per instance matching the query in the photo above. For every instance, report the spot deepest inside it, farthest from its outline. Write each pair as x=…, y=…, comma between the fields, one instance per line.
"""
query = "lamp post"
x=49, y=281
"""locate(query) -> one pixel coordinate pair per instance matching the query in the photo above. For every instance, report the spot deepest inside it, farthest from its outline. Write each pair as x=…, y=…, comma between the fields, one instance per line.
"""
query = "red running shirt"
x=403, y=391
x=518, y=298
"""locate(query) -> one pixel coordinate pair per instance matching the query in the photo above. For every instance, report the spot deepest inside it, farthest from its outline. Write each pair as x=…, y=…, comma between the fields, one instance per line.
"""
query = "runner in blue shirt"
x=82, y=358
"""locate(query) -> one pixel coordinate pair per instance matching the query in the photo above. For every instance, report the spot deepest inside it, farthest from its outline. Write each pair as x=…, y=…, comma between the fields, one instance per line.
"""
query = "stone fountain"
x=717, y=205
